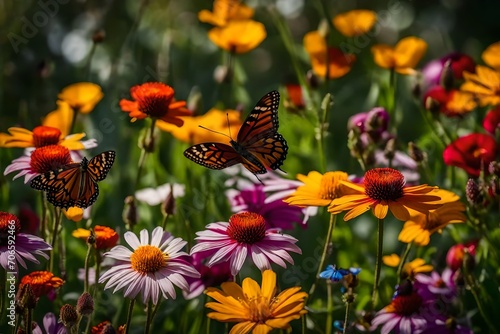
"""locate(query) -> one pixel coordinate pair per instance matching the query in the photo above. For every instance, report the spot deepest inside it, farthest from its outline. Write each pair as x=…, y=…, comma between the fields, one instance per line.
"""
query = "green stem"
x=73, y=120
x=43, y=225
x=87, y=260
x=164, y=221
x=148, y=139
x=325, y=108
x=329, y=307
x=378, y=264
x=29, y=317
x=147, y=328
x=129, y=315
x=331, y=228
x=346, y=318
x=403, y=260
x=55, y=232
x=473, y=289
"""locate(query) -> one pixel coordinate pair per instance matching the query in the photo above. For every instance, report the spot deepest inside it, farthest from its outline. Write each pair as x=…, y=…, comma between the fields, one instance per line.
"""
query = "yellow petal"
x=383, y=56
x=74, y=213
x=238, y=36
x=391, y=260
x=314, y=43
x=82, y=96
x=60, y=118
x=355, y=22
x=491, y=55
x=409, y=51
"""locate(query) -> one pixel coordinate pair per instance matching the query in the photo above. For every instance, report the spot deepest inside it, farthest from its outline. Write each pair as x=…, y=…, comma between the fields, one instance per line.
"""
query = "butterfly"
x=258, y=145
x=75, y=184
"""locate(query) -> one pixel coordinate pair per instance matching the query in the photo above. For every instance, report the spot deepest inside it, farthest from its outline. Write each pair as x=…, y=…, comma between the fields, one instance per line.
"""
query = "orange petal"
x=383, y=56
x=409, y=51
x=491, y=55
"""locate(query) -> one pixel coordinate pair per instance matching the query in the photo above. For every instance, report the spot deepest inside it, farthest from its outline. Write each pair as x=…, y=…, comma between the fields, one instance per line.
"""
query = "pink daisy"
x=150, y=267
x=245, y=235
x=26, y=245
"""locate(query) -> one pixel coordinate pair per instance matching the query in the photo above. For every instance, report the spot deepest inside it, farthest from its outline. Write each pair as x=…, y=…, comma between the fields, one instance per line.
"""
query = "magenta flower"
x=245, y=235
x=26, y=246
x=403, y=315
x=491, y=121
x=276, y=213
x=433, y=71
x=436, y=286
x=151, y=268
x=210, y=276
x=445, y=325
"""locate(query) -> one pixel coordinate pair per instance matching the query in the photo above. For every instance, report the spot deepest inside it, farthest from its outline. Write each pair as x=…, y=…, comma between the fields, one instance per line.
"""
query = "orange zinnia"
x=155, y=99
x=403, y=58
x=42, y=282
x=105, y=237
x=327, y=60
x=383, y=189
x=355, y=22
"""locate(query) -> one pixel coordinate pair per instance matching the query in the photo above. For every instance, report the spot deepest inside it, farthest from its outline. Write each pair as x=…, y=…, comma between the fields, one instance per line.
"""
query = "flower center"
x=440, y=283
x=47, y=158
x=154, y=98
x=384, y=184
x=148, y=259
x=46, y=135
x=9, y=225
x=405, y=304
x=259, y=310
x=41, y=282
x=329, y=187
x=479, y=152
x=247, y=227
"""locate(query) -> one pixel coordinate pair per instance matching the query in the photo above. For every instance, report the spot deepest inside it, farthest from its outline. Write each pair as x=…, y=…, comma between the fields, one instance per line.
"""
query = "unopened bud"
x=129, y=214
x=494, y=168
x=312, y=79
x=98, y=36
x=85, y=304
x=68, y=315
x=432, y=105
x=168, y=206
x=447, y=76
x=473, y=192
x=390, y=149
x=416, y=153
x=147, y=141
x=195, y=103
x=223, y=74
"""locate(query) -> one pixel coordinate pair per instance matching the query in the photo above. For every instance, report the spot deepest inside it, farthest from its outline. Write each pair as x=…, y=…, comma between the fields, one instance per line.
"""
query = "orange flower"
x=238, y=36
x=105, y=237
x=355, y=22
x=155, y=99
x=326, y=59
x=82, y=96
x=484, y=84
x=225, y=11
x=383, y=189
x=214, y=119
x=491, y=56
x=420, y=226
x=73, y=213
x=403, y=58
x=42, y=282
x=50, y=157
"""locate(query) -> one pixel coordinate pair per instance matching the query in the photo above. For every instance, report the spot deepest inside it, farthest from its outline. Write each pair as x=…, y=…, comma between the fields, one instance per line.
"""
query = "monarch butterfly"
x=75, y=184
x=258, y=146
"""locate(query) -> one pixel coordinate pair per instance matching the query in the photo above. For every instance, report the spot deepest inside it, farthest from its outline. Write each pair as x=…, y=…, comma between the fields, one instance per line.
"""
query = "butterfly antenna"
x=220, y=133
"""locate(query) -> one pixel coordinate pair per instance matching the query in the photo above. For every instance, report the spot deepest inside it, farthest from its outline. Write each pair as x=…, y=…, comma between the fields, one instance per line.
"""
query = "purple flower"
x=18, y=246
x=402, y=315
x=432, y=72
x=276, y=213
x=436, y=286
x=151, y=268
x=210, y=276
x=245, y=235
x=50, y=325
x=444, y=325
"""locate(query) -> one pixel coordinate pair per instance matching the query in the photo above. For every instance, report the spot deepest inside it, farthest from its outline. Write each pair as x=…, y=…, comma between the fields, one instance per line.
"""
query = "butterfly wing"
x=213, y=155
x=270, y=151
x=99, y=166
x=262, y=121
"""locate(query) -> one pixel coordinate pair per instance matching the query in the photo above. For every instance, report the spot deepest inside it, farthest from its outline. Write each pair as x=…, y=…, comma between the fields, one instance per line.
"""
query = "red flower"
x=472, y=153
x=451, y=102
x=491, y=121
x=455, y=255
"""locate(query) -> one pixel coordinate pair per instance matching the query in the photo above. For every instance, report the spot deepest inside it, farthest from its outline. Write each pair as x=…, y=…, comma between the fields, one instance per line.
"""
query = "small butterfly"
x=75, y=184
x=258, y=146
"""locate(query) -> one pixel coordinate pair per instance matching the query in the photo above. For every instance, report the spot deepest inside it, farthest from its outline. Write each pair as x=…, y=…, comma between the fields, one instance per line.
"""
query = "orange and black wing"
x=213, y=155
x=262, y=121
x=99, y=166
x=270, y=151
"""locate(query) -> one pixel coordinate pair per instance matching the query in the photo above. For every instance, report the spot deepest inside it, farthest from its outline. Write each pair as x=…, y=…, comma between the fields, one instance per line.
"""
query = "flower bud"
x=473, y=192
x=416, y=153
x=98, y=36
x=85, y=304
x=168, y=206
x=129, y=214
x=68, y=316
x=447, y=76
x=432, y=105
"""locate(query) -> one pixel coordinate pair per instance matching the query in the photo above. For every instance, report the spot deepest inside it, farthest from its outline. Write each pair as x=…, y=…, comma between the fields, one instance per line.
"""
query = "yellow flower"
x=82, y=96
x=355, y=22
x=53, y=131
x=318, y=189
x=225, y=11
x=491, y=56
x=256, y=309
x=238, y=36
x=327, y=59
x=74, y=213
x=383, y=189
x=420, y=226
x=214, y=119
x=410, y=269
x=105, y=237
x=403, y=58
x=484, y=84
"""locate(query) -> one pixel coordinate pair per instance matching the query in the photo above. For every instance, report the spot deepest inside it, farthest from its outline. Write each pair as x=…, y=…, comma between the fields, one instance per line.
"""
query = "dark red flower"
x=491, y=121
x=472, y=153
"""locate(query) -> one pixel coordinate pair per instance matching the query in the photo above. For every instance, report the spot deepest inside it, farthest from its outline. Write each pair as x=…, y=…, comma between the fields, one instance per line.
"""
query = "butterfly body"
x=75, y=184
x=258, y=147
